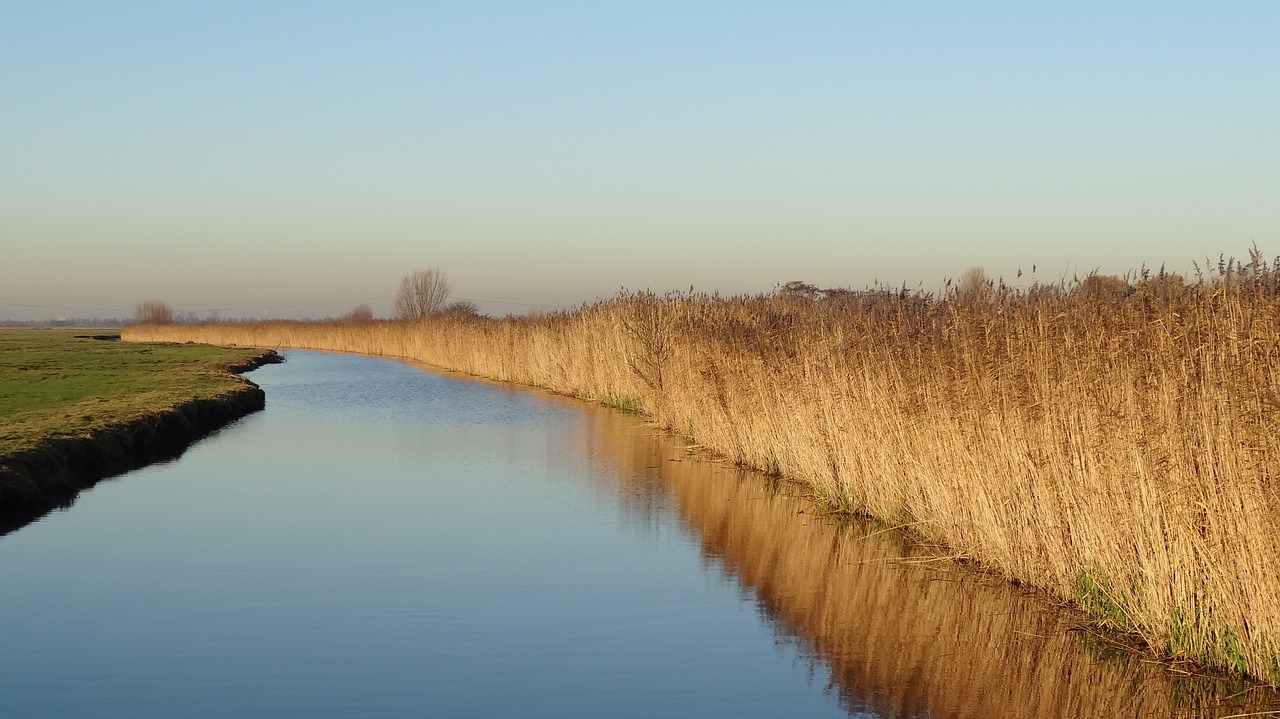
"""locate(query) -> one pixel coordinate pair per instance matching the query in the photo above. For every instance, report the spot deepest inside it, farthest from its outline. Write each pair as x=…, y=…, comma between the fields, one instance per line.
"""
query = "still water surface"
x=385, y=541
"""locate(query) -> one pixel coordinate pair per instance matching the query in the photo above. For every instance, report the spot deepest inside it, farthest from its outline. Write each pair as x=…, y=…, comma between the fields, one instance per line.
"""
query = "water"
x=385, y=541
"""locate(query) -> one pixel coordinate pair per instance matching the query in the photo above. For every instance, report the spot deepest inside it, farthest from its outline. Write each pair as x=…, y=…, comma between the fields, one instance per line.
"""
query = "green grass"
x=53, y=384
x=624, y=404
x=1096, y=596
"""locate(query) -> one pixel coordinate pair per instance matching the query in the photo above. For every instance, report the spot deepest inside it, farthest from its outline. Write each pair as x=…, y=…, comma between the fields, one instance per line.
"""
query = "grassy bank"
x=73, y=405
x=1116, y=445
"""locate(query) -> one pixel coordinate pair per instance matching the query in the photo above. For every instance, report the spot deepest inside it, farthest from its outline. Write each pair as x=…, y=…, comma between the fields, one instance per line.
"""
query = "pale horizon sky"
x=299, y=158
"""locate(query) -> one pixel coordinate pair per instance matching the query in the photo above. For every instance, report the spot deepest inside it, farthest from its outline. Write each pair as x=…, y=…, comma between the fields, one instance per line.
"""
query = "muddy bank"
x=49, y=476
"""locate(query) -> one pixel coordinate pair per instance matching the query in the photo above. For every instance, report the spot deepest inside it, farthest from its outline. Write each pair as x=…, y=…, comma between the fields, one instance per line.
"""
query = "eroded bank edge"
x=50, y=474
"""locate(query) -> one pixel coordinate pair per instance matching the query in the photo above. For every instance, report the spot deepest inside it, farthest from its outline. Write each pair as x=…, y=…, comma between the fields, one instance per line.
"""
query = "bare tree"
x=422, y=293
x=153, y=312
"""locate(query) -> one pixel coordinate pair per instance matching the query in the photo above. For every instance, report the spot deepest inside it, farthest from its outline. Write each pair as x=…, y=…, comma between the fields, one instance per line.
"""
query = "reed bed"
x=1114, y=446
x=898, y=632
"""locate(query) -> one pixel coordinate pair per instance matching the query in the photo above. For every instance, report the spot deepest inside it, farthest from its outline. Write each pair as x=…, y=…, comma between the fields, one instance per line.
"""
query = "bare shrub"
x=461, y=308
x=153, y=312
x=359, y=314
x=973, y=287
x=649, y=322
x=1105, y=288
x=797, y=289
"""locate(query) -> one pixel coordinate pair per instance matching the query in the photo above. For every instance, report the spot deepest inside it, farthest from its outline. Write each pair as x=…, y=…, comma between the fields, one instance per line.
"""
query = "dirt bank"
x=48, y=476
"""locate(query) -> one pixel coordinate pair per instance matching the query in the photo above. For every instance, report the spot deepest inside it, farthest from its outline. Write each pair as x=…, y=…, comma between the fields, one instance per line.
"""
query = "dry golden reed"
x=1116, y=446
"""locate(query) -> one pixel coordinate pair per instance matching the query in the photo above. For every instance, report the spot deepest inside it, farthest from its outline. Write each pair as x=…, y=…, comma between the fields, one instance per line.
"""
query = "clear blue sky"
x=298, y=157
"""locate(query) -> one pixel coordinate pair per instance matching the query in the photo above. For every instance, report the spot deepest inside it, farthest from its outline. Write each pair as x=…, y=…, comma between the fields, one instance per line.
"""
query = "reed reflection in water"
x=902, y=632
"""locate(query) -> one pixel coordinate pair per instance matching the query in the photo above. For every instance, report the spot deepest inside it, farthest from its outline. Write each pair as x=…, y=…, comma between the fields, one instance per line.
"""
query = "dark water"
x=384, y=541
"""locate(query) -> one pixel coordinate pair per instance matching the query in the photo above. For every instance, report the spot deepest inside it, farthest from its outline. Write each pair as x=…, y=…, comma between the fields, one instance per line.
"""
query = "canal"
x=384, y=541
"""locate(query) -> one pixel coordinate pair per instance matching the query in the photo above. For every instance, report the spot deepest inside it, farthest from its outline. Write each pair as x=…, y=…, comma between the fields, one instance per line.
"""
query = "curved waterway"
x=384, y=541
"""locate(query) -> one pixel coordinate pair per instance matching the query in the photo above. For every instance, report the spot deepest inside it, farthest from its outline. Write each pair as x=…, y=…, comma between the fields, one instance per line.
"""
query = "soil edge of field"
x=51, y=474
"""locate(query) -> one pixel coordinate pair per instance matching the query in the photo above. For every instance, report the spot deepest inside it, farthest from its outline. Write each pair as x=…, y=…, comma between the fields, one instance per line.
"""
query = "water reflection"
x=902, y=634
x=18, y=510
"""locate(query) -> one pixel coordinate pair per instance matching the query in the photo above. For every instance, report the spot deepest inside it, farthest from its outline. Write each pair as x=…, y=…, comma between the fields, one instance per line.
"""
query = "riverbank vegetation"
x=846, y=592
x=62, y=390
x=1113, y=441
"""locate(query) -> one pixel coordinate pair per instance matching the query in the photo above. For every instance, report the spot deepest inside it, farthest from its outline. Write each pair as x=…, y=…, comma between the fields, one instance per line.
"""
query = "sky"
x=294, y=159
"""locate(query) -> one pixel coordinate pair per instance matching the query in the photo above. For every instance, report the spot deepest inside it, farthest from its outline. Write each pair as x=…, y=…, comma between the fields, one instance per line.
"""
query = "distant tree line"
x=422, y=293
x=974, y=286
x=65, y=322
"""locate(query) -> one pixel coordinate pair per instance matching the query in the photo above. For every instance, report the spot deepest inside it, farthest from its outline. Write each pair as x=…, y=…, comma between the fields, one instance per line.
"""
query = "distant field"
x=54, y=384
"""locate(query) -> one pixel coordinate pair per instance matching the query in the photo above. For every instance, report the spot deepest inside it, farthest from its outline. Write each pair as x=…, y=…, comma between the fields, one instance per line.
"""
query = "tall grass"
x=1115, y=446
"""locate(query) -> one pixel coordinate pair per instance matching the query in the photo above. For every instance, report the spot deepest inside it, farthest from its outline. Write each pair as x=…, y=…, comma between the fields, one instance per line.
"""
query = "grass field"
x=55, y=385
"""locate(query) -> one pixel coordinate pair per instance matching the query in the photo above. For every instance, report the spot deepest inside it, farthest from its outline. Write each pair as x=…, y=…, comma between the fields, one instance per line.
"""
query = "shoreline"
x=49, y=476
x=948, y=419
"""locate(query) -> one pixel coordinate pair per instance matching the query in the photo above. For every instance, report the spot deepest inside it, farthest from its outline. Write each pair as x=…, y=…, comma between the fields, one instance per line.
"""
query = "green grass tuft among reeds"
x=622, y=404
